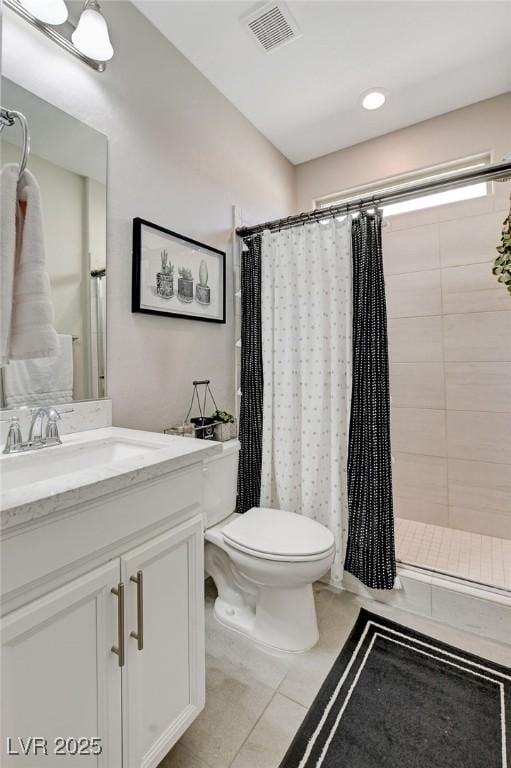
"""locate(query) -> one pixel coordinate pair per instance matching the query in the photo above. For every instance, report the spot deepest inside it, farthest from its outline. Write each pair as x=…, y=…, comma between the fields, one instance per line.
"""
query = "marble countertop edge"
x=36, y=500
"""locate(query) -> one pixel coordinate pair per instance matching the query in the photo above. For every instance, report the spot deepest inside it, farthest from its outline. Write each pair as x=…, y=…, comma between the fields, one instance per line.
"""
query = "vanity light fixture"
x=91, y=35
x=89, y=41
x=373, y=99
x=49, y=11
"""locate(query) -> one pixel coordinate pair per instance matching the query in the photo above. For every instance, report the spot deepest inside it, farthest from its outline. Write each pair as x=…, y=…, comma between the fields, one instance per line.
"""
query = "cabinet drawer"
x=99, y=530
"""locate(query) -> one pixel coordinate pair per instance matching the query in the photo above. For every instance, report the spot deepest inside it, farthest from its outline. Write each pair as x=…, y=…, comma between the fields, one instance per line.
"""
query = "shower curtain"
x=307, y=347
x=301, y=328
x=370, y=554
x=251, y=378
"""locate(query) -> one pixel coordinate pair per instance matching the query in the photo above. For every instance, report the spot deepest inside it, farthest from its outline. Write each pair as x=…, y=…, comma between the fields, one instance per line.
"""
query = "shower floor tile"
x=484, y=559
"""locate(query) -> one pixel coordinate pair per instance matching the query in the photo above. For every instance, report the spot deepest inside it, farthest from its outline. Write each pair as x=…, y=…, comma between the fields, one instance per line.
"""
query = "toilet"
x=263, y=562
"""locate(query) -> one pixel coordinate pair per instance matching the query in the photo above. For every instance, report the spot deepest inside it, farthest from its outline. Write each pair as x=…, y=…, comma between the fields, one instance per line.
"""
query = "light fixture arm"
x=52, y=33
x=91, y=5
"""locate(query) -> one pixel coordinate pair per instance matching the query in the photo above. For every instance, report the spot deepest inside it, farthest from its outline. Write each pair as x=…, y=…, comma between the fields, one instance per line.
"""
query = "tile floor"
x=484, y=559
x=255, y=700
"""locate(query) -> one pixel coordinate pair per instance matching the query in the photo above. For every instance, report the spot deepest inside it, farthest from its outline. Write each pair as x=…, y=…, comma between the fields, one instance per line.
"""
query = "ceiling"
x=431, y=57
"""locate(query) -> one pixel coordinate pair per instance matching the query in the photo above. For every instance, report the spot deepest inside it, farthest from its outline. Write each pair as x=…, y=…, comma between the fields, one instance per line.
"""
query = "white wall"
x=478, y=128
x=180, y=155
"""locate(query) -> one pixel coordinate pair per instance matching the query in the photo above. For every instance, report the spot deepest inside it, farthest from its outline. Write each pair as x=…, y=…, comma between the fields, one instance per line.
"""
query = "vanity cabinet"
x=59, y=676
x=114, y=646
x=164, y=679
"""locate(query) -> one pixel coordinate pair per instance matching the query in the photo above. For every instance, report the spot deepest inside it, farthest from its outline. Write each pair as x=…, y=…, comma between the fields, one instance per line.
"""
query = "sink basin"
x=88, y=465
x=49, y=463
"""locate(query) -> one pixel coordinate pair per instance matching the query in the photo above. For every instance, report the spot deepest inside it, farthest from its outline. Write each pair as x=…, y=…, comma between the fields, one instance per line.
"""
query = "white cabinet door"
x=60, y=678
x=163, y=682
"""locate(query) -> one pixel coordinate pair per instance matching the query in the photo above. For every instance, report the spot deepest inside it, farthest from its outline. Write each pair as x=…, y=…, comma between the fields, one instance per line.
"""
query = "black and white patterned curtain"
x=251, y=379
x=370, y=553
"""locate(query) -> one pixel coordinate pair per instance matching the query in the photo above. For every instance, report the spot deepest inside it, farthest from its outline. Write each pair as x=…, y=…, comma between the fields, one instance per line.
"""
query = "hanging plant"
x=502, y=266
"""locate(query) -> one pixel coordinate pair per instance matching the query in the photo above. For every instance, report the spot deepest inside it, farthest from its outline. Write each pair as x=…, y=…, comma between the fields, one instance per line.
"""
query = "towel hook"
x=7, y=119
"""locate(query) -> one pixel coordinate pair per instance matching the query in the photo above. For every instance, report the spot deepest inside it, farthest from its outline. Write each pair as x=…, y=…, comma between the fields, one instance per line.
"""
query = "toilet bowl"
x=263, y=562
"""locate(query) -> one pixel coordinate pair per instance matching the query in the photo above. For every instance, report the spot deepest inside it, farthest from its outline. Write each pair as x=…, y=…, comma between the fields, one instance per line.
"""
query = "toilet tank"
x=220, y=478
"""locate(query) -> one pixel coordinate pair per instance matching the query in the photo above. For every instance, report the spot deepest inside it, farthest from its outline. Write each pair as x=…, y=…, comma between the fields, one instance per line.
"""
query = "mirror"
x=69, y=161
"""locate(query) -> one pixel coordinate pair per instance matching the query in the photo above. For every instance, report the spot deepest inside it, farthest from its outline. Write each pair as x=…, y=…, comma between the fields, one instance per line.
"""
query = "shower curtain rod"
x=494, y=172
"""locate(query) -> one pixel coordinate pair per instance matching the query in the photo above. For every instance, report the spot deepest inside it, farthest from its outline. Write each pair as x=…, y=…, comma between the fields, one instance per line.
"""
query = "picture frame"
x=176, y=276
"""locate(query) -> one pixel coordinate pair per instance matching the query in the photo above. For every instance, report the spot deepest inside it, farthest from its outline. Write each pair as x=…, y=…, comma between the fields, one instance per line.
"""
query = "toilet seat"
x=274, y=534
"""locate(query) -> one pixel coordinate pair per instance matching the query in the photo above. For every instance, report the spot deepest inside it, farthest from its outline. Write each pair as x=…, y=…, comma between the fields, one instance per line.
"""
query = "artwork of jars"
x=165, y=278
x=202, y=290
x=185, y=285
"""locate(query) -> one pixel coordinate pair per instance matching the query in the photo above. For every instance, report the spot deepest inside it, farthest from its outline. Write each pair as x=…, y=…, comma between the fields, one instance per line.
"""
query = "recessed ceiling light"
x=373, y=99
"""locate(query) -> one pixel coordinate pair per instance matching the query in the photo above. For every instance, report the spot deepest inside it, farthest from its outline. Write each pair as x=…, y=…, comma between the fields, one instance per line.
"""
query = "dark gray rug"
x=397, y=699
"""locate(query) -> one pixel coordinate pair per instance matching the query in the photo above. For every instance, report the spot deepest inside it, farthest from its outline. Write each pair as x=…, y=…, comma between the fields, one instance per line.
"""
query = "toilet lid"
x=274, y=532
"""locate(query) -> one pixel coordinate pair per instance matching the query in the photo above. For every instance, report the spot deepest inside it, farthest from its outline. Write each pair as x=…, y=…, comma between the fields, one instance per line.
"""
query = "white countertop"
x=33, y=500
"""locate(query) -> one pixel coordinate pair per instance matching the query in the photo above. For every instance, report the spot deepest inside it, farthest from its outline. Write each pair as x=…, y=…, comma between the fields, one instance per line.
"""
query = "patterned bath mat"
x=395, y=698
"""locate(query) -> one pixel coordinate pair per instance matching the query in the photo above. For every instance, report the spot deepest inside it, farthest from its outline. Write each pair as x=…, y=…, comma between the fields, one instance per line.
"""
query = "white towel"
x=8, y=200
x=28, y=332
x=45, y=380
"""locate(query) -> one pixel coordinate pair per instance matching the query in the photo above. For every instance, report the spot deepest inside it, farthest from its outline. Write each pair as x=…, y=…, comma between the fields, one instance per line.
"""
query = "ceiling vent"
x=272, y=26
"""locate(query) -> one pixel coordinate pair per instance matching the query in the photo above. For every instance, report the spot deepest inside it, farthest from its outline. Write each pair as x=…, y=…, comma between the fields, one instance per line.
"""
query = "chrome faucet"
x=14, y=442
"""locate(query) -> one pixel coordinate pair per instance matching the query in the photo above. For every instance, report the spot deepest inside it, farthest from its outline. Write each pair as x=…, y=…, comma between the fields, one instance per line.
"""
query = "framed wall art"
x=176, y=276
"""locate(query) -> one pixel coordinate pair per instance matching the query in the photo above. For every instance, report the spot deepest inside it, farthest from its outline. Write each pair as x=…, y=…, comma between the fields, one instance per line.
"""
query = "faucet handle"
x=55, y=414
x=14, y=438
x=52, y=430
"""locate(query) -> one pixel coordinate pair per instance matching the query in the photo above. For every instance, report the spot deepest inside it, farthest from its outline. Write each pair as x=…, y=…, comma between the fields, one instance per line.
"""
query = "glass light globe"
x=91, y=35
x=52, y=12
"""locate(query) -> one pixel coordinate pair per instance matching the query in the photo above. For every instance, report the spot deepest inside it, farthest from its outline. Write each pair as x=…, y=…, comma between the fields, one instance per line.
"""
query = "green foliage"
x=223, y=416
x=167, y=267
x=502, y=265
x=185, y=273
x=203, y=274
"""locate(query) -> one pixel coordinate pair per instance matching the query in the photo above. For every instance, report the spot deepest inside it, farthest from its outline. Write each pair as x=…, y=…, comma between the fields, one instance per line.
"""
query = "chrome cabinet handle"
x=139, y=634
x=119, y=649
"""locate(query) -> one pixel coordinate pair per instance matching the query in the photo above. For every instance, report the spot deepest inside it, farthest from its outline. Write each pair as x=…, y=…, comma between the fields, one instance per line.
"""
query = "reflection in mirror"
x=69, y=161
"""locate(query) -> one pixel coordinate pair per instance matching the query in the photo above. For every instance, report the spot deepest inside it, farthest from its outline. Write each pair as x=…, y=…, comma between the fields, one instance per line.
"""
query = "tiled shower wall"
x=450, y=355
